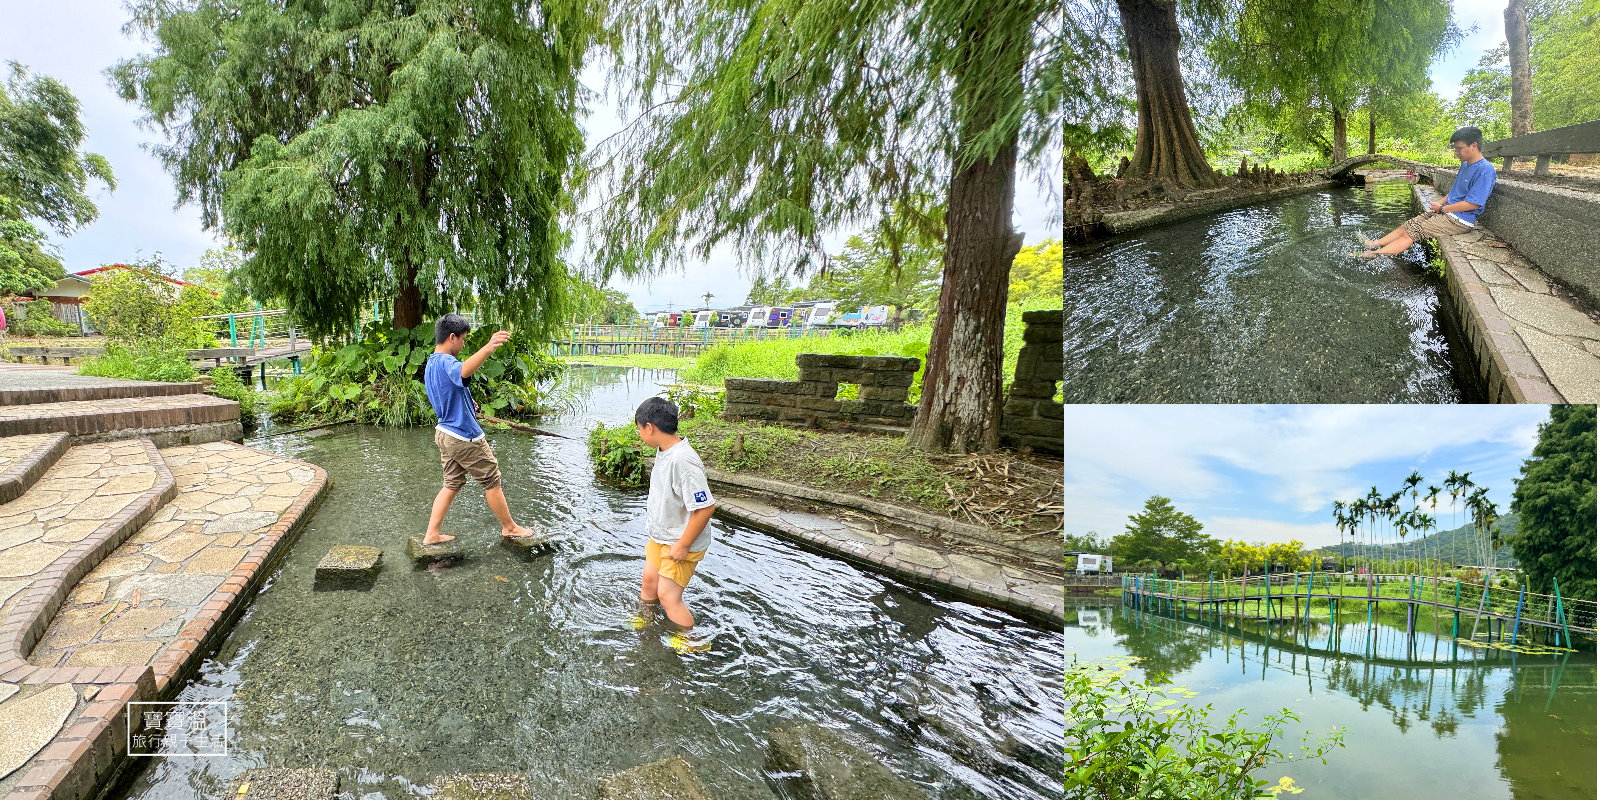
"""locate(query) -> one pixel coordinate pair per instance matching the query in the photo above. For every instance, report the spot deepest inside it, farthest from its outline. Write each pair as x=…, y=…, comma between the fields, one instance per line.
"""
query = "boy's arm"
x=476, y=359
x=697, y=523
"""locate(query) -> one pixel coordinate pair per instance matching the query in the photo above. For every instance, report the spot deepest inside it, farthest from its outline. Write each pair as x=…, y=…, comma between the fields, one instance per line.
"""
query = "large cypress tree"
x=1555, y=505
x=766, y=123
x=419, y=151
x=1166, y=146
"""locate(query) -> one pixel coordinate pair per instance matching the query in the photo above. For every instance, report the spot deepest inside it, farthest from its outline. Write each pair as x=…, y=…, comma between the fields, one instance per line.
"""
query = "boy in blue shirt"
x=1457, y=213
x=463, y=448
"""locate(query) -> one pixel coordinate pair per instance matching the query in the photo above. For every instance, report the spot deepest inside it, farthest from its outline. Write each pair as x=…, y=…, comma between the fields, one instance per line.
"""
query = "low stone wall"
x=885, y=383
x=1555, y=227
x=1118, y=222
x=1032, y=417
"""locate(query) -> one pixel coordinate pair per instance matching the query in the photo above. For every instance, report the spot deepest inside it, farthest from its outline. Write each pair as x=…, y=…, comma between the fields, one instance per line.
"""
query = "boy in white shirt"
x=676, y=514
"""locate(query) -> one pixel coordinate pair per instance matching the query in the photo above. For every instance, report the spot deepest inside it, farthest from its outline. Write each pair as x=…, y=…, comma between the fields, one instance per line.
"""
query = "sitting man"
x=1459, y=210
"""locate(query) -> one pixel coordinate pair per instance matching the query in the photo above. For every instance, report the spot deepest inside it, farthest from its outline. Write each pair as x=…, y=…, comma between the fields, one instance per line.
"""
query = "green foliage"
x=26, y=261
x=1565, y=57
x=41, y=169
x=227, y=384
x=1485, y=99
x=36, y=320
x=695, y=401
x=1036, y=276
x=1162, y=533
x=1437, y=267
x=1128, y=739
x=898, y=263
x=774, y=358
x=1555, y=504
x=219, y=272
x=602, y=306
x=136, y=305
x=145, y=360
x=356, y=150
x=379, y=379
x=618, y=454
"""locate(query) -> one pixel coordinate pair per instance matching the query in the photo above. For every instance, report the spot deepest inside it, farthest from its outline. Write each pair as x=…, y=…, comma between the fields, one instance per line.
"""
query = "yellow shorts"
x=679, y=572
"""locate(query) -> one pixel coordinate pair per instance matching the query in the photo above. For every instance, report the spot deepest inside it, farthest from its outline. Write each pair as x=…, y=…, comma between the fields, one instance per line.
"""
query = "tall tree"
x=1166, y=146
x=767, y=122
x=1161, y=533
x=26, y=262
x=1555, y=504
x=1521, y=75
x=42, y=167
x=1565, y=58
x=415, y=152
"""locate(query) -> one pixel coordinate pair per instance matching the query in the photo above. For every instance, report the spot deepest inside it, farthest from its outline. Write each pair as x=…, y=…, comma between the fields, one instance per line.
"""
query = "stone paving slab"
x=54, y=386
x=24, y=460
x=1532, y=340
x=191, y=415
x=667, y=779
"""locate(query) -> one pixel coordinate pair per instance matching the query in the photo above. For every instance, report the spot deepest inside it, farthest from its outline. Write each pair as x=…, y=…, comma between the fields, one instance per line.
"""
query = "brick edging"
x=217, y=614
x=36, y=605
x=21, y=476
x=90, y=421
x=927, y=577
x=1501, y=359
x=63, y=394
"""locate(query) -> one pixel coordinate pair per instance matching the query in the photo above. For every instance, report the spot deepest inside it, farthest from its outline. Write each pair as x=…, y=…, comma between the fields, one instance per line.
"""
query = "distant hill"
x=1453, y=546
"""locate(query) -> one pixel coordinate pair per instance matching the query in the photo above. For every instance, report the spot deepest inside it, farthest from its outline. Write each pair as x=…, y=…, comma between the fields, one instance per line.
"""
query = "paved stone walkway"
x=1533, y=342
x=139, y=598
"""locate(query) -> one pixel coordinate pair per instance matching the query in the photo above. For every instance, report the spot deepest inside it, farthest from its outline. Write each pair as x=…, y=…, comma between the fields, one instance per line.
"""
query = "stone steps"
x=25, y=459
x=167, y=420
x=91, y=499
x=29, y=388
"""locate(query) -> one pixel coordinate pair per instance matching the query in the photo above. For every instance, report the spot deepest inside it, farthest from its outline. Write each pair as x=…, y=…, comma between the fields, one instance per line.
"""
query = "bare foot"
x=1372, y=244
x=440, y=539
x=1365, y=254
x=518, y=532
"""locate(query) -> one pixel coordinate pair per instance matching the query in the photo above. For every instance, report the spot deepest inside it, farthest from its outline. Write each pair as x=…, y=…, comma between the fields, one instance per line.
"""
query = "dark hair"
x=1468, y=135
x=447, y=325
x=660, y=412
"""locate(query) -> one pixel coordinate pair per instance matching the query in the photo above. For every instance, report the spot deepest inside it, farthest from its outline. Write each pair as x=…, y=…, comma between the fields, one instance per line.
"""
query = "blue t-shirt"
x=449, y=396
x=1473, y=184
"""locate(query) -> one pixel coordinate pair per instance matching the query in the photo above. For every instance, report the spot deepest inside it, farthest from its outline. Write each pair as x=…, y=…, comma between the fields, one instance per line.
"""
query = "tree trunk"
x=1372, y=123
x=1167, y=146
x=1521, y=76
x=960, y=407
x=408, y=303
x=1341, y=140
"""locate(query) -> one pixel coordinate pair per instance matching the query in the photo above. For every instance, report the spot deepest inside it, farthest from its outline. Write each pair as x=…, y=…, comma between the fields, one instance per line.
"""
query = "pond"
x=503, y=664
x=1425, y=716
x=1260, y=305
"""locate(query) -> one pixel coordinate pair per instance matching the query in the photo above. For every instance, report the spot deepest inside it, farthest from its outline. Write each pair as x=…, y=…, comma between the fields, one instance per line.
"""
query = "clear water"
x=434, y=673
x=1426, y=717
x=1259, y=304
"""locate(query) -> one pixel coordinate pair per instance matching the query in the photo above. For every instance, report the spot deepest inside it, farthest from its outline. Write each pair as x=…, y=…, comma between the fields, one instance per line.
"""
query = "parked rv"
x=1090, y=563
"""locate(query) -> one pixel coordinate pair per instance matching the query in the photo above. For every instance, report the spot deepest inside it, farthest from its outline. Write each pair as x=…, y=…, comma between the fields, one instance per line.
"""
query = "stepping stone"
x=667, y=779
x=275, y=783
x=31, y=722
x=818, y=764
x=347, y=560
x=433, y=552
x=484, y=786
x=542, y=539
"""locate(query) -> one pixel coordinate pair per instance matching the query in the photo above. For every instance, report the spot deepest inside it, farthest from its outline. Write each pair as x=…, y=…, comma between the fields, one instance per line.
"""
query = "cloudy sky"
x=74, y=41
x=1271, y=473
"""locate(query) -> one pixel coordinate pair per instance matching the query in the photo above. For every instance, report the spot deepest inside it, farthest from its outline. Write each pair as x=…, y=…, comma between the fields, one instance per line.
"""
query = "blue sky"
x=1271, y=473
x=74, y=41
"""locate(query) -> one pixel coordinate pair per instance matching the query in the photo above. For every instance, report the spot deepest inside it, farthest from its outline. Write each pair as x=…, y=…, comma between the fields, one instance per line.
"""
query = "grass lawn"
x=641, y=360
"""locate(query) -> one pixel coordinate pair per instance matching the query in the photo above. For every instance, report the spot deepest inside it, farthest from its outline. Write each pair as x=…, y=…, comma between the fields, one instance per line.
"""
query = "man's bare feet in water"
x=436, y=539
x=1372, y=244
x=1364, y=254
x=518, y=532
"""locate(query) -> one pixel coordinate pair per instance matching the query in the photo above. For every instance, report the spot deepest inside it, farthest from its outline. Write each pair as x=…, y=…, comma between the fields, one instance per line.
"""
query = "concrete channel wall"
x=1555, y=227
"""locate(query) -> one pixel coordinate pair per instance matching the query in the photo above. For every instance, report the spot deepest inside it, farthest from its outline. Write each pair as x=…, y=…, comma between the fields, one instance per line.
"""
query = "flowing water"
x=1259, y=304
x=504, y=664
x=1425, y=716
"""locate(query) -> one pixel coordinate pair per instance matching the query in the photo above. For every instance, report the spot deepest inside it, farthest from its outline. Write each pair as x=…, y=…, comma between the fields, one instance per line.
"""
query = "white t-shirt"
x=677, y=487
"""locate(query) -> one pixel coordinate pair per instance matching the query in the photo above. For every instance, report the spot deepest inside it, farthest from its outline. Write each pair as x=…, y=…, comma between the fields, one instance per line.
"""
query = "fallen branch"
x=517, y=426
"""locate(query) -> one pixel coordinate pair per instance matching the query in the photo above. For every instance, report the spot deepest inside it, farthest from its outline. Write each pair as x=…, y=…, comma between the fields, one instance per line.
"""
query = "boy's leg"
x=671, y=595
x=441, y=505
x=652, y=563
x=1395, y=245
x=497, y=503
x=1388, y=239
x=454, y=478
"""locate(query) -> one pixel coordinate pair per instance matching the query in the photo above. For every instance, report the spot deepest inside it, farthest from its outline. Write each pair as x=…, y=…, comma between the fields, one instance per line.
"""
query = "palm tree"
x=1433, y=505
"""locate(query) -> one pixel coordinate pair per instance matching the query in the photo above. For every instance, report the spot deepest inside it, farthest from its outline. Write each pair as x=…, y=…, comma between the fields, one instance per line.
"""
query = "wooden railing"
x=1583, y=137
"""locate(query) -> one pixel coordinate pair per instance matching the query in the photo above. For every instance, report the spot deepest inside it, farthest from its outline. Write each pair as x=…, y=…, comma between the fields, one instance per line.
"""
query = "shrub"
x=134, y=305
x=1131, y=739
x=380, y=379
x=618, y=454
x=693, y=401
x=227, y=384
x=149, y=361
x=37, y=321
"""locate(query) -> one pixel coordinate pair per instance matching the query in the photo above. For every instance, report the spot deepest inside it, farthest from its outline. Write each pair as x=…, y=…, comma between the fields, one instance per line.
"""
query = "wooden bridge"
x=1556, y=616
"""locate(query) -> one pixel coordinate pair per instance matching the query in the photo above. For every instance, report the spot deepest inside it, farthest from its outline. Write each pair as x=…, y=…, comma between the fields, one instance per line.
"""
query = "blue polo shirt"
x=1473, y=184
x=449, y=396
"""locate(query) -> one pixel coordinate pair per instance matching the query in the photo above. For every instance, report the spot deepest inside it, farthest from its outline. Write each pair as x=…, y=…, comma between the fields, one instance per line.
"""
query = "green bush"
x=133, y=305
x=380, y=379
x=618, y=454
x=39, y=322
x=1130, y=739
x=149, y=361
x=227, y=384
x=693, y=401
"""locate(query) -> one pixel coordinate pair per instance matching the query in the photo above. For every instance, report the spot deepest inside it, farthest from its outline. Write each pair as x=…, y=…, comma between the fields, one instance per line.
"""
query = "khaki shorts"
x=461, y=459
x=679, y=572
x=1431, y=225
